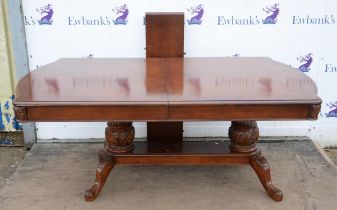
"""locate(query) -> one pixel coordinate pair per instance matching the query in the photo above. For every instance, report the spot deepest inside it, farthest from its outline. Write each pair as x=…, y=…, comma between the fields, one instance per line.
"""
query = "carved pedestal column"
x=119, y=138
x=243, y=136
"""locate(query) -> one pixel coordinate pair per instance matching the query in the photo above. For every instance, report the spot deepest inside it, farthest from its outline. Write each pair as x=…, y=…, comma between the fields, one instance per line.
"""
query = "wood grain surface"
x=80, y=89
x=83, y=81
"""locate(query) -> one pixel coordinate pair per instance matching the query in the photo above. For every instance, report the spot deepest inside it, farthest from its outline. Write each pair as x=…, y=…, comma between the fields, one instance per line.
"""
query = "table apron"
x=168, y=113
x=240, y=112
x=97, y=113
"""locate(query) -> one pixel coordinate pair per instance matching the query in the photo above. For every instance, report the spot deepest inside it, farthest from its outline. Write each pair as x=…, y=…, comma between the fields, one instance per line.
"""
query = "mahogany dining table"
x=242, y=90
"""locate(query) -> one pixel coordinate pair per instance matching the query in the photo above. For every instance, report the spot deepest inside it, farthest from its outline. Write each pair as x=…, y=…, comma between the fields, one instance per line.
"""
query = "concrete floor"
x=55, y=176
x=12, y=152
x=10, y=159
x=332, y=153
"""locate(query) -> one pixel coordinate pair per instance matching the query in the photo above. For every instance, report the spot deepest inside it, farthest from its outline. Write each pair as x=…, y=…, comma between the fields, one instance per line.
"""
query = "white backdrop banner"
x=299, y=33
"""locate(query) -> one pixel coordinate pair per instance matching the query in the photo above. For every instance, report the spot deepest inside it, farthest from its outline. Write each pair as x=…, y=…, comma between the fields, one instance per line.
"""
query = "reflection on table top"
x=229, y=80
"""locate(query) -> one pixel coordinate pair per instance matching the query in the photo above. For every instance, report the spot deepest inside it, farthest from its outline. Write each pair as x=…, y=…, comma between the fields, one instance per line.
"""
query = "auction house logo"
x=272, y=14
x=306, y=60
x=46, y=14
x=333, y=109
x=196, y=13
x=310, y=20
x=330, y=68
x=119, y=18
x=122, y=13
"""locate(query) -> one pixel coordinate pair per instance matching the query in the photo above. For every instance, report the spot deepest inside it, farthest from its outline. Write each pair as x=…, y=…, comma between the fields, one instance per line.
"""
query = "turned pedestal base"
x=120, y=149
x=243, y=136
x=119, y=138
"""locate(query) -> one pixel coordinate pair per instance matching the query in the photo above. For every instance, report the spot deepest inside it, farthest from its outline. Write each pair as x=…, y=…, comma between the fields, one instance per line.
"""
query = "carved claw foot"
x=262, y=170
x=119, y=138
x=105, y=165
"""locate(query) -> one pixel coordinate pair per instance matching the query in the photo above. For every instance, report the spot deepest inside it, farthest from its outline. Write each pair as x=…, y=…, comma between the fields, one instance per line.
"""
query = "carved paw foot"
x=262, y=170
x=92, y=193
x=105, y=165
x=274, y=193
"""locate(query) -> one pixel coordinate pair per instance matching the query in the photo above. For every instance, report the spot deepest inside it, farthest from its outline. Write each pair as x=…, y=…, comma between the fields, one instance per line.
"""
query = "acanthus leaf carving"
x=243, y=136
x=21, y=113
x=314, y=110
x=119, y=137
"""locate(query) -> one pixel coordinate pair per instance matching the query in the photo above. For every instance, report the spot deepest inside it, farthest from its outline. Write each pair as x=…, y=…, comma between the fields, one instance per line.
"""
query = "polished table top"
x=166, y=89
x=229, y=80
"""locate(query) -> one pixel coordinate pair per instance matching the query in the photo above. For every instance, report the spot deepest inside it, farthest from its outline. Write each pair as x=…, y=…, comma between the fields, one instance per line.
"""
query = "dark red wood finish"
x=192, y=89
x=241, y=90
x=164, y=38
x=164, y=34
x=169, y=88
